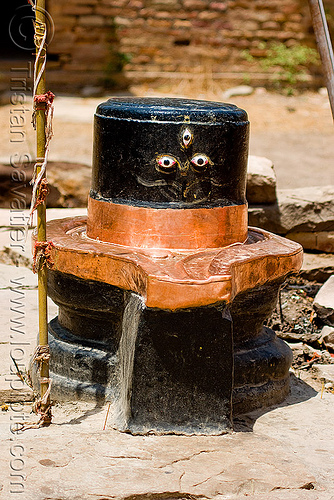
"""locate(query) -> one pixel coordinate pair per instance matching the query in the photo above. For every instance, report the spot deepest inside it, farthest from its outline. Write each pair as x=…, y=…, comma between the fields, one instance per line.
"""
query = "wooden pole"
x=324, y=46
x=41, y=209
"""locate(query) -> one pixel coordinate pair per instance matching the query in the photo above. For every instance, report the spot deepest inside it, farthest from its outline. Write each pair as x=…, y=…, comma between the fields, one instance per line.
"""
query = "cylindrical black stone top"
x=173, y=153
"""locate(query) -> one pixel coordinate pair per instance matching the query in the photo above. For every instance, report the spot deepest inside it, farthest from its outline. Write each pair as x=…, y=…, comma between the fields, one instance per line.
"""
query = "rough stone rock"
x=327, y=337
x=69, y=184
x=317, y=267
x=239, y=90
x=72, y=180
x=324, y=302
x=14, y=184
x=305, y=356
x=293, y=336
x=322, y=241
x=325, y=373
x=308, y=209
x=261, y=180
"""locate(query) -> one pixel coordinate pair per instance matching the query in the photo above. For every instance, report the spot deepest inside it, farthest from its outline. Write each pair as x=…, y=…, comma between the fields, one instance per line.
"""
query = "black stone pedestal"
x=165, y=372
x=178, y=385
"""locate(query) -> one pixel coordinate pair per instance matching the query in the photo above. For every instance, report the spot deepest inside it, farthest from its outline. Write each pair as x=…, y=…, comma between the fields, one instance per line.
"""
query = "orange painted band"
x=142, y=227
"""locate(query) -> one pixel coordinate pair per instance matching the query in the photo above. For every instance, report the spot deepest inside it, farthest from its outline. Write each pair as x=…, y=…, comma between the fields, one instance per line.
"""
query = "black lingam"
x=163, y=290
x=171, y=152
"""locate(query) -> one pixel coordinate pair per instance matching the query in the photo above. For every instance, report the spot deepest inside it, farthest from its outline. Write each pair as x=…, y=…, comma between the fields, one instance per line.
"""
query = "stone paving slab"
x=7, y=219
x=19, y=327
x=317, y=267
x=325, y=373
x=289, y=448
x=17, y=243
x=120, y=466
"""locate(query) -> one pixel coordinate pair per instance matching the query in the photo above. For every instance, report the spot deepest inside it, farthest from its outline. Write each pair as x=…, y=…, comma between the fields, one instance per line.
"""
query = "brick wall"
x=108, y=42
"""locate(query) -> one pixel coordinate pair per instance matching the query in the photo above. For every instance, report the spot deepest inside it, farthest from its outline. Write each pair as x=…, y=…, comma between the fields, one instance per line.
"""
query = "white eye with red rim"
x=200, y=161
x=166, y=163
x=187, y=137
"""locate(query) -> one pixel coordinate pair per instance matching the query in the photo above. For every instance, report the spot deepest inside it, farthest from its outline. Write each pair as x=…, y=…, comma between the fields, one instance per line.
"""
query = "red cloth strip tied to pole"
x=42, y=255
x=42, y=102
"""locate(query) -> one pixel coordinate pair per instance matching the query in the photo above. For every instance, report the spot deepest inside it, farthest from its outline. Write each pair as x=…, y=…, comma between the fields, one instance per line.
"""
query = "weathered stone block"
x=122, y=21
x=327, y=337
x=69, y=184
x=87, y=53
x=322, y=241
x=208, y=16
x=182, y=24
x=221, y=6
x=296, y=18
x=264, y=16
x=261, y=180
x=72, y=181
x=194, y=4
x=287, y=35
x=160, y=23
x=309, y=209
x=135, y=4
x=77, y=10
x=317, y=267
x=324, y=302
x=292, y=27
x=91, y=20
x=271, y=25
x=278, y=16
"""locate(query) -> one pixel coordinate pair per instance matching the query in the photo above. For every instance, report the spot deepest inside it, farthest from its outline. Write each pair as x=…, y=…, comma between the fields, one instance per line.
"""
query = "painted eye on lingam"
x=166, y=164
x=200, y=162
x=187, y=137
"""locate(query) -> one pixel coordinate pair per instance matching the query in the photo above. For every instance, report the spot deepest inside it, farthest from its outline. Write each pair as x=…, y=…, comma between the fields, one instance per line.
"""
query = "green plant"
x=246, y=79
x=289, y=62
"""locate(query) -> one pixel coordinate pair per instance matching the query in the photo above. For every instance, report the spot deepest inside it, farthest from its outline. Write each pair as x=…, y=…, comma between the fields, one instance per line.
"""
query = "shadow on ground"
x=300, y=391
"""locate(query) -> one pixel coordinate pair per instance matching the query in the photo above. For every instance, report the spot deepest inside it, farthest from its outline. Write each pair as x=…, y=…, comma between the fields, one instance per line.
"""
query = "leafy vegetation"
x=289, y=63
